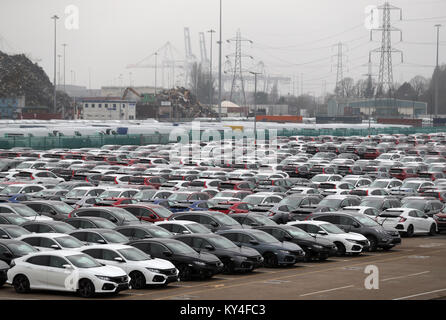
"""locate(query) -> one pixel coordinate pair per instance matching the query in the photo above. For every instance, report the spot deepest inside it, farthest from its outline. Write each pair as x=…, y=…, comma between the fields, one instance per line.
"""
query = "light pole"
x=58, y=73
x=437, y=69
x=255, y=103
x=156, y=71
x=55, y=18
x=219, y=65
x=64, y=45
x=211, y=83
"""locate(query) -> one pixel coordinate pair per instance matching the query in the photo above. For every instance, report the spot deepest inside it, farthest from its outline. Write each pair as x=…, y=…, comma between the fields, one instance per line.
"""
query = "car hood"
x=351, y=235
x=154, y=263
x=289, y=246
x=108, y=271
x=39, y=218
x=243, y=251
x=207, y=257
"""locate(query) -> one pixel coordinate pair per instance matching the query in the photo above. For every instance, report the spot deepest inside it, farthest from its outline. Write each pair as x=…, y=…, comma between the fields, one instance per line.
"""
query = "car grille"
x=169, y=272
x=215, y=264
x=255, y=259
x=119, y=279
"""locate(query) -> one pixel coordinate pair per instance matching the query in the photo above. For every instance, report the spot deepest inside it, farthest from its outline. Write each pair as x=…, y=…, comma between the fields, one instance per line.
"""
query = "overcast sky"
x=291, y=37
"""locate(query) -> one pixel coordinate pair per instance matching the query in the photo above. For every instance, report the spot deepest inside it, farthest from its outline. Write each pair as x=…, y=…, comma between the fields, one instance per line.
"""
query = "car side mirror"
x=68, y=266
x=119, y=259
x=356, y=225
x=287, y=238
x=101, y=241
x=5, y=236
x=185, y=232
x=254, y=242
x=209, y=247
x=152, y=216
x=425, y=216
x=214, y=224
x=113, y=219
x=322, y=233
x=167, y=253
x=55, y=246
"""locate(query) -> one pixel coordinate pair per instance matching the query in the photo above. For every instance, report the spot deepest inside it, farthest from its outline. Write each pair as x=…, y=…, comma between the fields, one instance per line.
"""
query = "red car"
x=232, y=207
x=440, y=219
x=403, y=173
x=148, y=212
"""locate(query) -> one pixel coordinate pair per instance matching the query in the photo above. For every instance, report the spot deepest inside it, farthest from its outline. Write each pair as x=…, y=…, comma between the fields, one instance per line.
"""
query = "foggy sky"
x=291, y=37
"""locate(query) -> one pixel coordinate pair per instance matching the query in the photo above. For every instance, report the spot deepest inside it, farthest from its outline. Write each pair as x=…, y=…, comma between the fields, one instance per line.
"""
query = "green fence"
x=97, y=141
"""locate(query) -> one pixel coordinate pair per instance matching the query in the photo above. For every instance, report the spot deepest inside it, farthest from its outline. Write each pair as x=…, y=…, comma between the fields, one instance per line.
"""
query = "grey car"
x=213, y=220
x=378, y=236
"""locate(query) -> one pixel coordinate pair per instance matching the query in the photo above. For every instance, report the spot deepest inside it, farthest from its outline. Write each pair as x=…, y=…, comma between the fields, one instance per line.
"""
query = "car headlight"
x=239, y=258
x=199, y=263
x=316, y=246
x=353, y=241
x=153, y=270
x=103, y=278
x=284, y=251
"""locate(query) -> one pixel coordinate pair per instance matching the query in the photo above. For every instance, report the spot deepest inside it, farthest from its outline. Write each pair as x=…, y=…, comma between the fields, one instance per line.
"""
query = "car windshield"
x=179, y=196
x=419, y=205
x=374, y=203
x=133, y=254
x=158, y=232
x=221, y=243
x=16, y=231
x=21, y=249
x=76, y=193
x=24, y=165
x=264, y=221
x=198, y=228
x=83, y=261
x=123, y=214
x=296, y=232
x=181, y=248
x=11, y=190
x=292, y=202
x=411, y=185
x=17, y=220
x=331, y=228
x=319, y=178
x=253, y=200
x=225, y=220
x=162, y=212
x=104, y=224
x=68, y=242
x=114, y=237
x=379, y=184
x=145, y=195
x=264, y=237
x=63, y=227
x=25, y=211
x=366, y=221
x=331, y=203
x=225, y=194
x=110, y=194
x=63, y=208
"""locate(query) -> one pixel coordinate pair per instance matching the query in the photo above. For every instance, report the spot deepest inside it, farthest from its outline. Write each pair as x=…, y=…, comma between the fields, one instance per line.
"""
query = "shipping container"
x=399, y=121
x=295, y=119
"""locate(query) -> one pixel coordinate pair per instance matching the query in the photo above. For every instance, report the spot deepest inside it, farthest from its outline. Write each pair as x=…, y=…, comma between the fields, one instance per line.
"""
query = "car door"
x=209, y=223
x=57, y=274
x=422, y=223
x=36, y=270
x=109, y=256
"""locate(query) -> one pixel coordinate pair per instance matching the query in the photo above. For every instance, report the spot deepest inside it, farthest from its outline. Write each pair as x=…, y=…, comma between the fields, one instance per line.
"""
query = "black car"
x=211, y=219
x=12, y=249
x=99, y=236
x=315, y=248
x=190, y=263
x=234, y=258
x=58, y=210
x=143, y=231
x=8, y=218
x=378, y=236
x=90, y=223
x=11, y=231
x=274, y=252
x=118, y=216
x=4, y=267
x=48, y=226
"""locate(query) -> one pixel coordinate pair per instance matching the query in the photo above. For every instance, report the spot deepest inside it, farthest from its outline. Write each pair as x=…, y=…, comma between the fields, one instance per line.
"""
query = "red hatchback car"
x=231, y=207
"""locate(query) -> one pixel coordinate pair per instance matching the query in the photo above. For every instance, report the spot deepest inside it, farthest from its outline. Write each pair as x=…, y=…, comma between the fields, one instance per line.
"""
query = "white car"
x=347, y=243
x=38, y=176
x=370, y=211
x=65, y=270
x=142, y=269
x=183, y=227
x=408, y=221
x=52, y=241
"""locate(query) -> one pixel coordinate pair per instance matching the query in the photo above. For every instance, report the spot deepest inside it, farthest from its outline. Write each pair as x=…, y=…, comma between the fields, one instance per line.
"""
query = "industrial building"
x=381, y=107
x=106, y=108
x=11, y=108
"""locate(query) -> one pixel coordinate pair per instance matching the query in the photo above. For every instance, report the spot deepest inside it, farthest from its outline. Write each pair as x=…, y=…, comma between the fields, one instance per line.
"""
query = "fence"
x=97, y=141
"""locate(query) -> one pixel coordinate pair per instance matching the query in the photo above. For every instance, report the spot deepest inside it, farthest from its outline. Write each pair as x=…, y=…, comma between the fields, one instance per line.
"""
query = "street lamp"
x=55, y=18
x=220, y=43
x=156, y=71
x=255, y=103
x=211, y=86
x=437, y=73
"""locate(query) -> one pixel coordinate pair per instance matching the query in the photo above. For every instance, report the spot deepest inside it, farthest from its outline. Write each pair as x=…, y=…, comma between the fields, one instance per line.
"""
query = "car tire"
x=409, y=232
x=433, y=230
x=137, y=280
x=2, y=283
x=373, y=243
x=86, y=288
x=270, y=260
x=21, y=284
x=185, y=272
x=341, y=249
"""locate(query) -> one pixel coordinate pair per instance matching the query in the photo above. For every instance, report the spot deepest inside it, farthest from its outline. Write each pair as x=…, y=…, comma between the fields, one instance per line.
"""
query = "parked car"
x=408, y=221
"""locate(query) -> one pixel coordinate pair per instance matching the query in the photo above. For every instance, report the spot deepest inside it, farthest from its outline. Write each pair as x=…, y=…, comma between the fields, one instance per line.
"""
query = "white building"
x=108, y=108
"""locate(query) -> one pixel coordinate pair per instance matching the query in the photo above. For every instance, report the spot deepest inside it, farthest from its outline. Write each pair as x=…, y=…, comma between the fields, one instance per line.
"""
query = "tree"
x=405, y=92
x=201, y=84
x=420, y=85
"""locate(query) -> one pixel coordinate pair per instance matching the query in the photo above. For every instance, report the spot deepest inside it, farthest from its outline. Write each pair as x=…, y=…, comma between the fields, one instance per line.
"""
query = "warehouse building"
x=11, y=108
x=106, y=108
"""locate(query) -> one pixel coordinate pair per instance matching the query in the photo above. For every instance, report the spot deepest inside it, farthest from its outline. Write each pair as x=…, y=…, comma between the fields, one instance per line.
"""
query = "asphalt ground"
x=412, y=271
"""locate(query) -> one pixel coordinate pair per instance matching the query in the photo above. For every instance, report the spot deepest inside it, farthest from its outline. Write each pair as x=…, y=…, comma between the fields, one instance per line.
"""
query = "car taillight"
x=308, y=217
x=367, y=192
x=32, y=178
x=271, y=214
x=116, y=181
x=402, y=219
